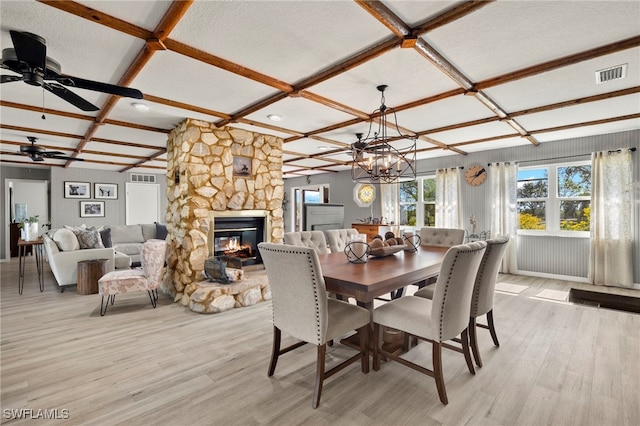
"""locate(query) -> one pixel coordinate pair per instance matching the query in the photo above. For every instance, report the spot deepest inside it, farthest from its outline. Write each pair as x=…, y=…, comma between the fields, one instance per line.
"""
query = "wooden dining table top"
x=380, y=275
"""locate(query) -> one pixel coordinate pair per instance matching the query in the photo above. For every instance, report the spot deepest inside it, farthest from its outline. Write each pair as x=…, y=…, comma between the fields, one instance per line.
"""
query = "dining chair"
x=483, y=291
x=313, y=239
x=435, y=237
x=339, y=238
x=302, y=309
x=148, y=278
x=438, y=320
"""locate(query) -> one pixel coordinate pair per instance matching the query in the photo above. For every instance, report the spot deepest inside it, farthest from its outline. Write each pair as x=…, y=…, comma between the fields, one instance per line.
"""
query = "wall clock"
x=475, y=175
x=364, y=194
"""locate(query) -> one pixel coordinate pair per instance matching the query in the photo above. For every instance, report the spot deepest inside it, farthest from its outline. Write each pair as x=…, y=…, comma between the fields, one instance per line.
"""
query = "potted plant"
x=29, y=227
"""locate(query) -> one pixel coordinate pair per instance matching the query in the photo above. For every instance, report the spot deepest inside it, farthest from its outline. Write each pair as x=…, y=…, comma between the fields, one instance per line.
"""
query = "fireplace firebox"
x=238, y=235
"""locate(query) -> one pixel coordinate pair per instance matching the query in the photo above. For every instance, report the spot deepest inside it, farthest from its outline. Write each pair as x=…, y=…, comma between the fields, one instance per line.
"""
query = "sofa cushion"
x=89, y=239
x=161, y=231
x=126, y=234
x=148, y=231
x=129, y=248
x=105, y=234
x=66, y=240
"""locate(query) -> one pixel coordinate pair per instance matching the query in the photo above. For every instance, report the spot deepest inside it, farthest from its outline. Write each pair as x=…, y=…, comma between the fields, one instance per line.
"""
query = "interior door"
x=142, y=203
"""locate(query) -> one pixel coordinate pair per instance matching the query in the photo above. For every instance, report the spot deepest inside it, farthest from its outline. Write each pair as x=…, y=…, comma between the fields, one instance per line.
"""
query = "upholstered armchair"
x=313, y=239
x=147, y=278
x=339, y=238
x=302, y=309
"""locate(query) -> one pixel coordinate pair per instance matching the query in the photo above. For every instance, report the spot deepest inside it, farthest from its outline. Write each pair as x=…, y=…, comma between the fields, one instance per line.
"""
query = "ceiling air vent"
x=137, y=177
x=613, y=73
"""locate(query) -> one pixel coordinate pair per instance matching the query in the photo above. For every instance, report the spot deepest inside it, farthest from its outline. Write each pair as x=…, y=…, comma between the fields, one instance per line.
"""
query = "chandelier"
x=380, y=157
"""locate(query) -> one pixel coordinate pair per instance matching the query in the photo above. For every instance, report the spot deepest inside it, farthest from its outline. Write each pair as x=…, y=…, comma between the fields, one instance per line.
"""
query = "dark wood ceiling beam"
x=333, y=104
x=142, y=162
x=385, y=16
x=330, y=141
x=326, y=129
x=269, y=127
x=188, y=107
x=207, y=58
x=587, y=123
x=252, y=108
x=93, y=15
x=433, y=56
x=450, y=15
x=176, y=10
x=579, y=101
x=560, y=62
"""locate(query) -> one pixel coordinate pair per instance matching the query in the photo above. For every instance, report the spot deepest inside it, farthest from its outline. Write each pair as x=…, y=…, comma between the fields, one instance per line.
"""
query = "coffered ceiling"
x=465, y=76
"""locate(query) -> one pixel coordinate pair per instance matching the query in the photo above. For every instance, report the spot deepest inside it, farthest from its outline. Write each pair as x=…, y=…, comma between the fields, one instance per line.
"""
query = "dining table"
x=379, y=275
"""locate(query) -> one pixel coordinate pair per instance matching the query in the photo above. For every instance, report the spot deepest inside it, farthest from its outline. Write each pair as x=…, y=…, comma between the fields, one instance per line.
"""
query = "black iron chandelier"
x=380, y=157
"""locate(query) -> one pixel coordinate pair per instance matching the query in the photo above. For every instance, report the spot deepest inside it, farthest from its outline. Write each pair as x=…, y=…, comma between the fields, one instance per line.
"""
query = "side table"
x=89, y=272
x=22, y=252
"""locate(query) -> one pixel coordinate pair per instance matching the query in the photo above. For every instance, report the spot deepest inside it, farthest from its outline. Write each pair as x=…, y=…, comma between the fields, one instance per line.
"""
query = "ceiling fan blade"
x=30, y=48
x=51, y=153
x=70, y=97
x=9, y=78
x=113, y=89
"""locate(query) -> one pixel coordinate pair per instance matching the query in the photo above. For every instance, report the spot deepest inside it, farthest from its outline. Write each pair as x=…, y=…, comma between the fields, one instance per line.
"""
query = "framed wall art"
x=241, y=166
x=107, y=191
x=91, y=208
x=77, y=190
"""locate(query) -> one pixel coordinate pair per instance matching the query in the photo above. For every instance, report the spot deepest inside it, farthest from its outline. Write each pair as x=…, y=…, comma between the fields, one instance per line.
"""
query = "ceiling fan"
x=38, y=153
x=29, y=59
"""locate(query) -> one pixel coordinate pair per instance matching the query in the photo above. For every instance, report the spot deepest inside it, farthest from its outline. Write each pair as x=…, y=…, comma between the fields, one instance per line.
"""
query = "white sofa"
x=64, y=264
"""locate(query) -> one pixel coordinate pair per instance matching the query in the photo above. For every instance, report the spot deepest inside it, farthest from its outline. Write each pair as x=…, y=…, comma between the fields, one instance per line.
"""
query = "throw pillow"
x=89, y=239
x=161, y=231
x=66, y=240
x=105, y=235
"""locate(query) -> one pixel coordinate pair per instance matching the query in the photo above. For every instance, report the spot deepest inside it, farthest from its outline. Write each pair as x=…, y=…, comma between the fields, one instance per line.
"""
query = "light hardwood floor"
x=557, y=364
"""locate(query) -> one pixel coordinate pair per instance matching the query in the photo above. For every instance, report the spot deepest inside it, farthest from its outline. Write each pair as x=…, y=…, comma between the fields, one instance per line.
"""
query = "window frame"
x=552, y=202
x=420, y=203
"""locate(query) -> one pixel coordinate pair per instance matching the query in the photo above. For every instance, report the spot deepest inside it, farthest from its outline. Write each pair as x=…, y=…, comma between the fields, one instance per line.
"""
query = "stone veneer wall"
x=200, y=179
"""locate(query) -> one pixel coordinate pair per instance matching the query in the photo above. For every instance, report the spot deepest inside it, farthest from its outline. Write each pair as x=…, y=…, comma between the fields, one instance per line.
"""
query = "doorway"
x=142, y=203
x=24, y=198
x=307, y=194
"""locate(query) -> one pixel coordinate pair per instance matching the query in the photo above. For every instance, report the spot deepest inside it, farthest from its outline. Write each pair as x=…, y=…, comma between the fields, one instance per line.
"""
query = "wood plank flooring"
x=558, y=364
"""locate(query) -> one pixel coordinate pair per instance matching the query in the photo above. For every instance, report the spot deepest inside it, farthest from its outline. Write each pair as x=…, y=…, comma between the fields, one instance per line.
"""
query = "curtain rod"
x=427, y=172
x=632, y=149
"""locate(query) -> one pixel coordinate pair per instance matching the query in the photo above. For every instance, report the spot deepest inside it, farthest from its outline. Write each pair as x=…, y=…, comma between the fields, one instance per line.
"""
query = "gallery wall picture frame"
x=107, y=191
x=77, y=190
x=242, y=166
x=91, y=208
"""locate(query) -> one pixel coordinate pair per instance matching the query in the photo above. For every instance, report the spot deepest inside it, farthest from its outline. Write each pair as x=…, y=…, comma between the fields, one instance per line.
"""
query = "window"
x=418, y=202
x=555, y=199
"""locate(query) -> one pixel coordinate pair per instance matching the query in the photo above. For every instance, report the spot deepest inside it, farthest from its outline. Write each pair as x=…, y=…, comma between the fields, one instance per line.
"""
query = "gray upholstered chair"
x=313, y=239
x=339, y=238
x=302, y=309
x=483, y=291
x=438, y=320
x=441, y=237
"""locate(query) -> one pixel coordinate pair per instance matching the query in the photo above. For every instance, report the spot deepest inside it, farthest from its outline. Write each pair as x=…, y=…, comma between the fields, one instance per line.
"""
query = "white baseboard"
x=634, y=286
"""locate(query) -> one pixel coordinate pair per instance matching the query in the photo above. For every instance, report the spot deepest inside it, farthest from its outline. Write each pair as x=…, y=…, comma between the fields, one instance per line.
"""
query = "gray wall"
x=65, y=211
x=540, y=254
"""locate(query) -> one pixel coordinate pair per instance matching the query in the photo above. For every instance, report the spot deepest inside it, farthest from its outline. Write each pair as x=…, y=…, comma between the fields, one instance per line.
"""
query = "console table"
x=23, y=245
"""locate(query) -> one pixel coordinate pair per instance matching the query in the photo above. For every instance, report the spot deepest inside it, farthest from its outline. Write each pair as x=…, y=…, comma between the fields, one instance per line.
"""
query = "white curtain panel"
x=503, y=178
x=389, y=200
x=448, y=198
x=611, y=254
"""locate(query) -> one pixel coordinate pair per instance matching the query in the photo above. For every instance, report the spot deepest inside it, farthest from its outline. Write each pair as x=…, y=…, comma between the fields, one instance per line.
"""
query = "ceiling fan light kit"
x=378, y=157
x=28, y=57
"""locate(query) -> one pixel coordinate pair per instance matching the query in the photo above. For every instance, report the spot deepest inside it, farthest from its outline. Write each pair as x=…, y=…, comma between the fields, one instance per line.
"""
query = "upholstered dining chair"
x=339, y=238
x=438, y=320
x=483, y=291
x=313, y=239
x=147, y=278
x=302, y=309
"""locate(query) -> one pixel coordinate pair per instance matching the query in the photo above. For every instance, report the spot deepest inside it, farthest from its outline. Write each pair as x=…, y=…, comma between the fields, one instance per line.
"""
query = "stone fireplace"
x=205, y=193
